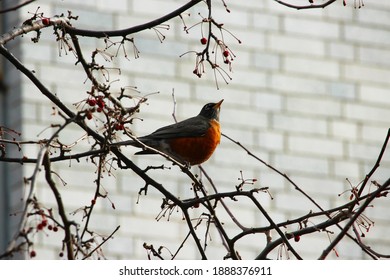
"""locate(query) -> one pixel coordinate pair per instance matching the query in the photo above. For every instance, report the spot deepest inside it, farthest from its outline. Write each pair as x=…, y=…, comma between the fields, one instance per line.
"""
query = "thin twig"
x=14, y=8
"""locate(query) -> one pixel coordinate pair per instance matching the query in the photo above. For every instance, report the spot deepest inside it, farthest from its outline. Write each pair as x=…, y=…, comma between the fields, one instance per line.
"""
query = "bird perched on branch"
x=191, y=141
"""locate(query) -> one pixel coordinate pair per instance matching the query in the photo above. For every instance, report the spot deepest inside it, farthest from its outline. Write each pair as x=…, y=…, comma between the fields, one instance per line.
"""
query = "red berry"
x=89, y=115
x=196, y=205
x=55, y=229
x=100, y=102
x=225, y=53
x=297, y=238
x=99, y=110
x=93, y=201
x=39, y=226
x=44, y=223
x=203, y=41
x=119, y=126
x=61, y=254
x=33, y=254
x=91, y=102
x=49, y=227
x=46, y=21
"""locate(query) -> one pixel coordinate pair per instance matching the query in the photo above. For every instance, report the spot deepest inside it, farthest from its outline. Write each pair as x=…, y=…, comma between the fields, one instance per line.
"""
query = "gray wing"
x=194, y=127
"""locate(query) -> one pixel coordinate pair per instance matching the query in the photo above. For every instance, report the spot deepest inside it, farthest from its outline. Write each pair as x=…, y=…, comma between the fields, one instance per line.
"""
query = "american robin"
x=191, y=141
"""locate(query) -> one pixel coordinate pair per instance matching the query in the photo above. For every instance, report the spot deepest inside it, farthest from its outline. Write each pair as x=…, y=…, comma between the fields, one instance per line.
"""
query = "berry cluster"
x=92, y=101
x=96, y=103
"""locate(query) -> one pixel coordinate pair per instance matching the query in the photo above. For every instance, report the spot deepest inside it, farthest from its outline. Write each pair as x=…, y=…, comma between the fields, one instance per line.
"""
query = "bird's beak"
x=218, y=105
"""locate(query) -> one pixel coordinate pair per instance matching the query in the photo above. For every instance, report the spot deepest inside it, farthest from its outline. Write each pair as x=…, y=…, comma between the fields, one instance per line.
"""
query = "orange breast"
x=197, y=150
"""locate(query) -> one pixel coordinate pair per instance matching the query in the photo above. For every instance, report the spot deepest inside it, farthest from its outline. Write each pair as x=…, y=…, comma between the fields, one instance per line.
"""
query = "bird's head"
x=211, y=110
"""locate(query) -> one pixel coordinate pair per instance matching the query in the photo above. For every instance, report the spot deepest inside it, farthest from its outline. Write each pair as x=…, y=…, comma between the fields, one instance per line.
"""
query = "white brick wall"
x=309, y=95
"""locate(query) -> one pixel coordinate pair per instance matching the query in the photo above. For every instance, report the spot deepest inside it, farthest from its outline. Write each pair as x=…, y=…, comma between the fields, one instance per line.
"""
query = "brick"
x=334, y=12
x=291, y=123
x=378, y=214
x=315, y=146
x=381, y=175
x=89, y=3
x=150, y=8
x=41, y=52
x=119, y=6
x=367, y=73
x=227, y=155
x=241, y=115
x=286, y=43
x=341, y=50
x=103, y=228
x=271, y=140
x=293, y=84
x=301, y=205
x=89, y=18
x=146, y=227
x=265, y=21
x=346, y=169
x=374, y=94
x=63, y=76
x=374, y=132
x=244, y=136
x=367, y=35
x=313, y=28
x=364, y=152
x=380, y=4
x=233, y=97
x=377, y=17
x=121, y=245
x=301, y=164
x=377, y=56
x=248, y=38
x=342, y=90
x=367, y=113
x=326, y=188
x=249, y=4
x=144, y=65
x=344, y=129
x=311, y=67
x=30, y=111
x=248, y=77
x=236, y=17
x=266, y=61
x=320, y=107
x=168, y=48
x=268, y=101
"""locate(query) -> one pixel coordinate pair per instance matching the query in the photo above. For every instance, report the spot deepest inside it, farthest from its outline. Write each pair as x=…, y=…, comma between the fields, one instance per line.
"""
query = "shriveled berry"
x=297, y=238
x=33, y=254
